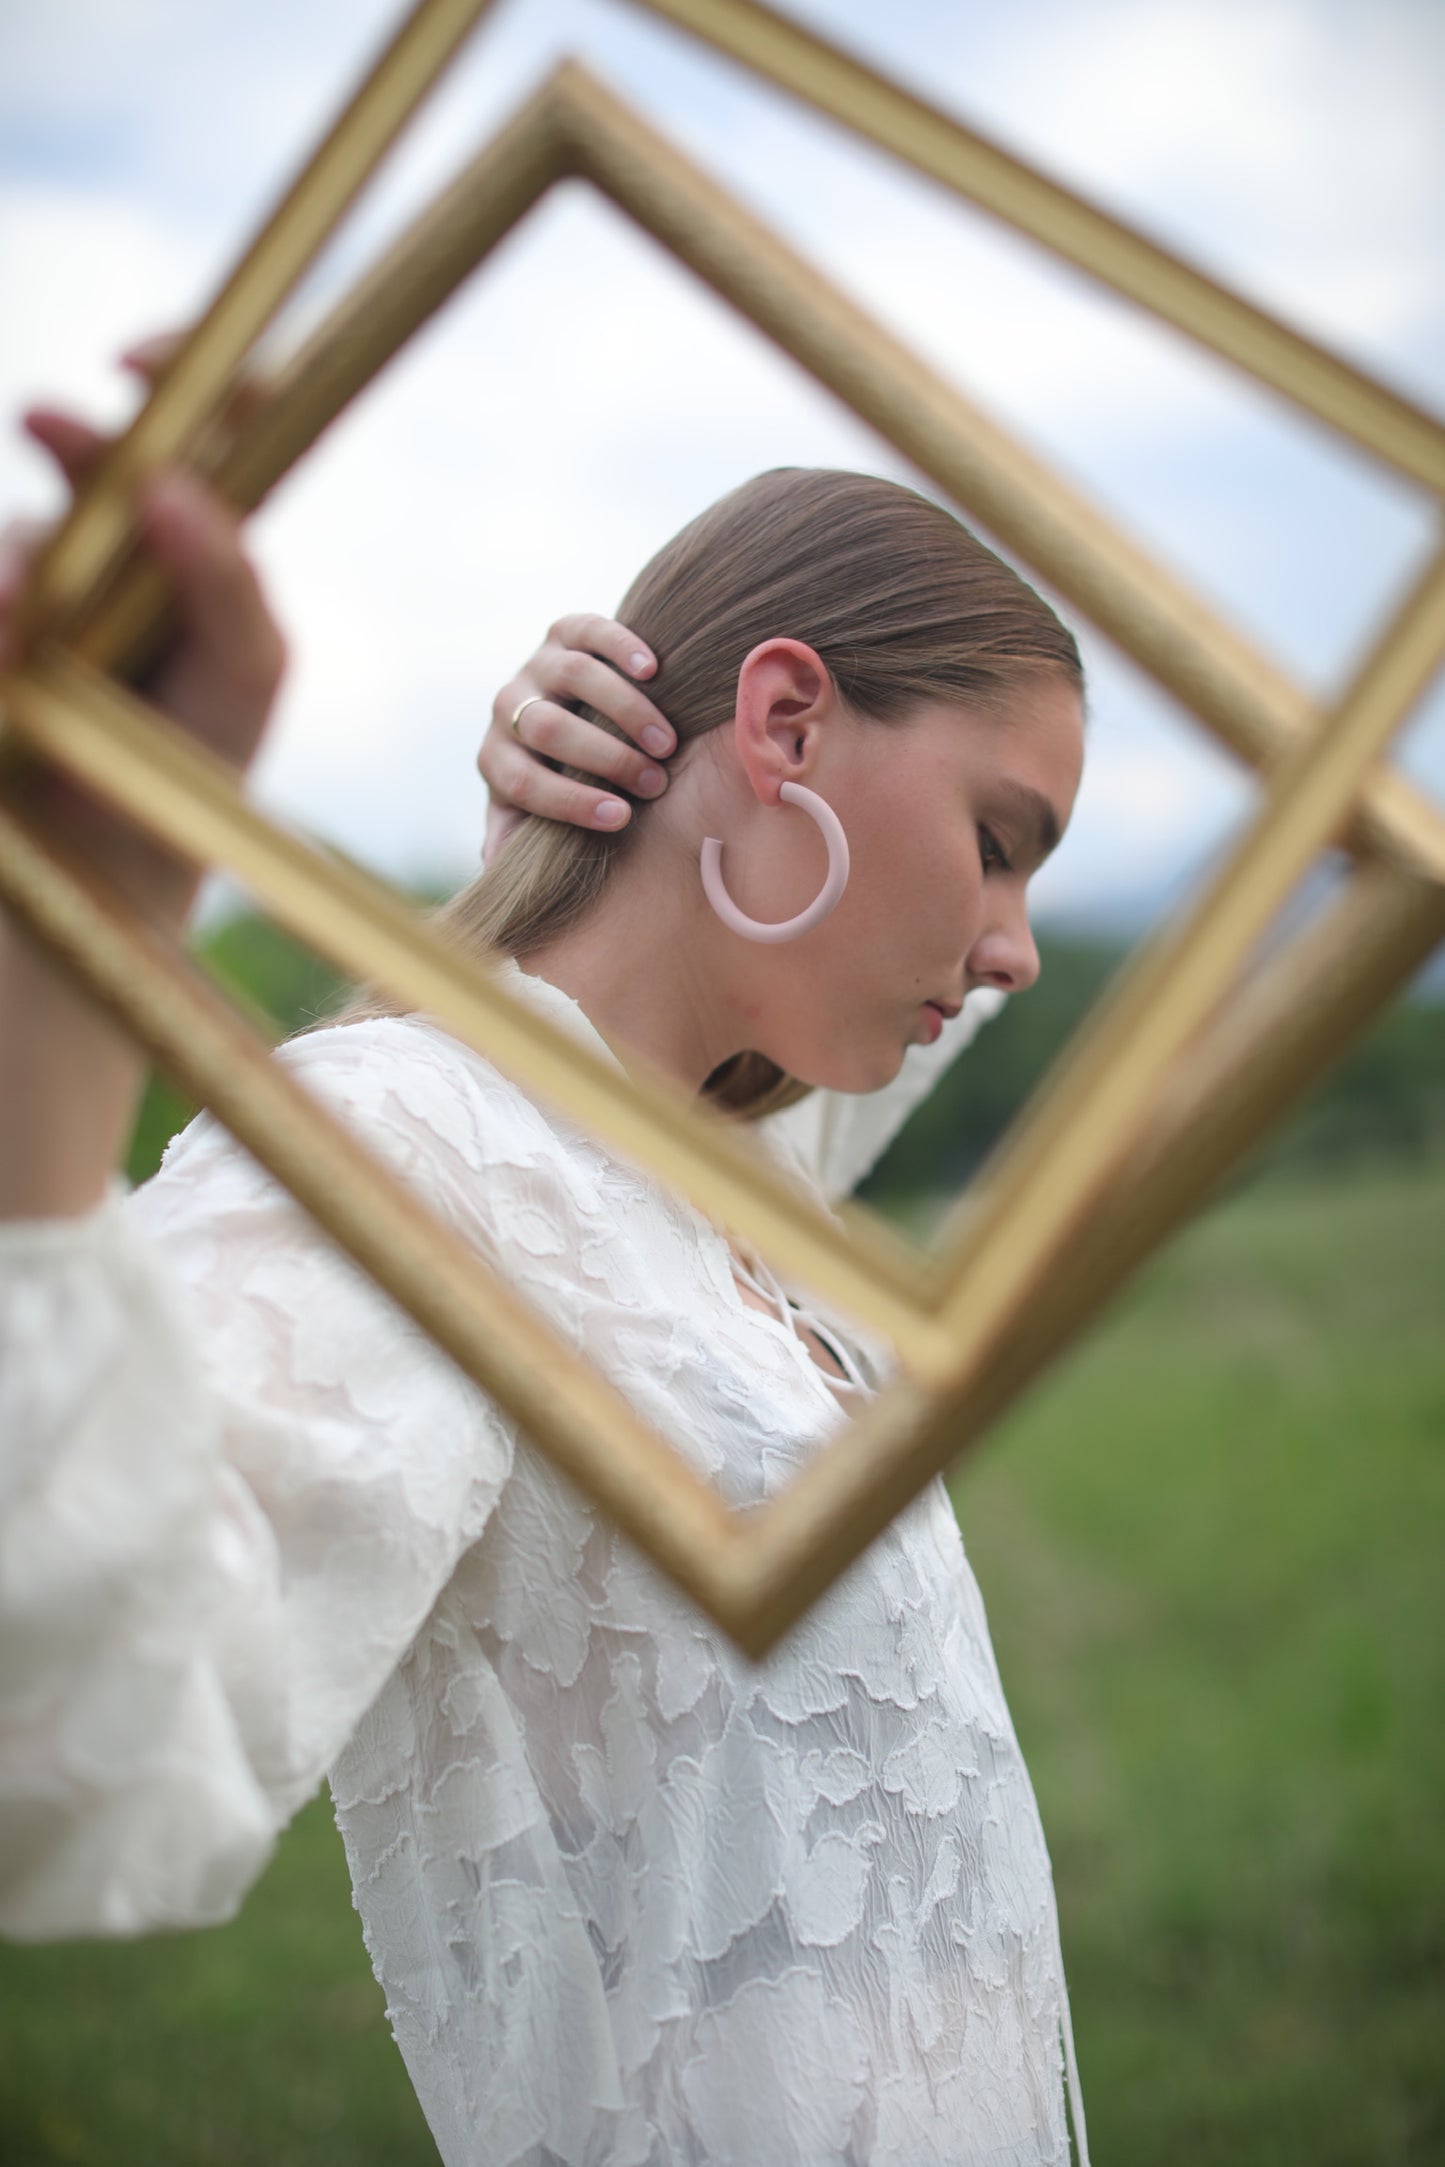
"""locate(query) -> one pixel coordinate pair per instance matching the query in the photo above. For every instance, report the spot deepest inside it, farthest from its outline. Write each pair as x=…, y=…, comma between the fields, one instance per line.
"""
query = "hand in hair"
x=587, y=660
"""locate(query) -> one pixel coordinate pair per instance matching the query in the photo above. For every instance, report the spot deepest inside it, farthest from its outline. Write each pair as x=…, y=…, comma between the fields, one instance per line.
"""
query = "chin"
x=857, y=1068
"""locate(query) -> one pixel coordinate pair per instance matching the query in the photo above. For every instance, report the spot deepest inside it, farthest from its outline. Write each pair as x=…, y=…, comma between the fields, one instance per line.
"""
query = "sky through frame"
x=585, y=397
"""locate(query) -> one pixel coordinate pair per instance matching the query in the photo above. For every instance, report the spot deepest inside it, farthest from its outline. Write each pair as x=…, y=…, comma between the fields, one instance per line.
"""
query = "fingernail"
x=656, y=740
x=640, y=662
x=651, y=778
x=611, y=813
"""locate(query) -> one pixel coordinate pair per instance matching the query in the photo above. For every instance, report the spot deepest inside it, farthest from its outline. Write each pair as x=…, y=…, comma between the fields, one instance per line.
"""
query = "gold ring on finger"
x=521, y=711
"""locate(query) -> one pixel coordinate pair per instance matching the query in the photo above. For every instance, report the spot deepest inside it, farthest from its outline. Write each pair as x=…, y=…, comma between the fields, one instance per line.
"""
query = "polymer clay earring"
x=783, y=929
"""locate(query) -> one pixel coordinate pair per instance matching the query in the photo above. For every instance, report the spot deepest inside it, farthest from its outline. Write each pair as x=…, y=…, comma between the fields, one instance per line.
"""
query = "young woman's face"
x=947, y=817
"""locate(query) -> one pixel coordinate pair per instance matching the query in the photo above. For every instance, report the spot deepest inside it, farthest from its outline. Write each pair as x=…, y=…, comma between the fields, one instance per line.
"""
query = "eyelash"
x=990, y=840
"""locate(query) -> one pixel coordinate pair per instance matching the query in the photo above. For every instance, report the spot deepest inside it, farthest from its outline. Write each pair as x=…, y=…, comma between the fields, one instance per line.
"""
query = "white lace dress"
x=634, y=1901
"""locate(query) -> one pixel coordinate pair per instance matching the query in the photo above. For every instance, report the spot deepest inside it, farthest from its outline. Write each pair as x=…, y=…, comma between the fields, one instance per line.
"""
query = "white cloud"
x=84, y=273
x=585, y=400
x=1293, y=129
x=529, y=454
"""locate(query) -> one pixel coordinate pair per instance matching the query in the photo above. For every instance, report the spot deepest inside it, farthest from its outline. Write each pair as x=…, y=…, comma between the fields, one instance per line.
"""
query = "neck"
x=654, y=982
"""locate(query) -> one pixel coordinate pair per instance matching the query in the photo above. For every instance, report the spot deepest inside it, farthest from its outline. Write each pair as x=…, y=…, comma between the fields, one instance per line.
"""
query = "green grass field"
x=1211, y=1545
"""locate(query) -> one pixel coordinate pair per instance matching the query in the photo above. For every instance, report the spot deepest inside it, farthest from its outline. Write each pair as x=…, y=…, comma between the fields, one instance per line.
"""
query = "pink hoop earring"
x=783, y=929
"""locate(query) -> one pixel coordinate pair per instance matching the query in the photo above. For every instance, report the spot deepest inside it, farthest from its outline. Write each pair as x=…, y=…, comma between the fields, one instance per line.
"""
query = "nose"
x=1004, y=955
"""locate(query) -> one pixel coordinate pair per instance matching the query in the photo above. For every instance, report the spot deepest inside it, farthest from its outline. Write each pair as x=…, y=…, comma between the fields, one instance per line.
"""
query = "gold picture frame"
x=1168, y=1085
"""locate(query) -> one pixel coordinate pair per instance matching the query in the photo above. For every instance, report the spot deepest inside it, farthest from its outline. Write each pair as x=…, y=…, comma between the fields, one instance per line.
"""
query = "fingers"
x=556, y=734
x=220, y=670
x=195, y=539
x=583, y=659
x=581, y=663
x=606, y=637
x=149, y=356
x=592, y=658
x=518, y=781
x=77, y=448
x=73, y=444
x=193, y=535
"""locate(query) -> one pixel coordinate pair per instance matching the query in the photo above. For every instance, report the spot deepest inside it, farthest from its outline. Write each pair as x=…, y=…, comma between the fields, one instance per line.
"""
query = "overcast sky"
x=584, y=397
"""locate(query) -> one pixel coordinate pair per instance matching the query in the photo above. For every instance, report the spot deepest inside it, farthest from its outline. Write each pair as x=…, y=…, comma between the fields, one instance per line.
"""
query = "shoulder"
x=435, y=1112
x=407, y=1077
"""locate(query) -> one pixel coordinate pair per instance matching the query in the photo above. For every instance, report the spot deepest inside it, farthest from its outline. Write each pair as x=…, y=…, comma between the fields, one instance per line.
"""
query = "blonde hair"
x=899, y=600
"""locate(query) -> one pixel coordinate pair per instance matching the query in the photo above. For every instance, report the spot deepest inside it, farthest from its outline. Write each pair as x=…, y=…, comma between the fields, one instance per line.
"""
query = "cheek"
x=927, y=888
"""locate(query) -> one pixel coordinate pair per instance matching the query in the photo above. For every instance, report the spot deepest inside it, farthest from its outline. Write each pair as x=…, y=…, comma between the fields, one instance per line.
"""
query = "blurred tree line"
x=1386, y=1099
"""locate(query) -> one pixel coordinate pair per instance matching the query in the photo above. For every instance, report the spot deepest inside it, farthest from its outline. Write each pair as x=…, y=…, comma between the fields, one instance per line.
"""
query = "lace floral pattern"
x=633, y=1899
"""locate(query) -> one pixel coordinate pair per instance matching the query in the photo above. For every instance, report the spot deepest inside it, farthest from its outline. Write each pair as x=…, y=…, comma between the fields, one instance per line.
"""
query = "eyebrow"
x=1037, y=815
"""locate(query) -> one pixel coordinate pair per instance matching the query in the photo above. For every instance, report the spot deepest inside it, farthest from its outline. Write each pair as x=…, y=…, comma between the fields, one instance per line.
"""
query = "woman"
x=632, y=1898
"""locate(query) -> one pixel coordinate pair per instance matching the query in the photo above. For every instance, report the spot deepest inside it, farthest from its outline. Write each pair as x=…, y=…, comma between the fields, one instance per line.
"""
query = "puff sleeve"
x=234, y=1478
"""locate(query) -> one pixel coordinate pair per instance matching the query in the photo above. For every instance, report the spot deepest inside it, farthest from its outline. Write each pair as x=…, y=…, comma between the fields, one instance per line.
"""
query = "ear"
x=785, y=694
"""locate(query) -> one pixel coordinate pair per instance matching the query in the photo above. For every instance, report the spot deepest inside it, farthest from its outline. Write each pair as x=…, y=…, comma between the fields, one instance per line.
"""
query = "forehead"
x=1033, y=739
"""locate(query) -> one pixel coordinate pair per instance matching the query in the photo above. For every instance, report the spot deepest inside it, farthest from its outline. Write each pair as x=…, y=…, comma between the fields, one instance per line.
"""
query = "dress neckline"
x=791, y=1314
x=566, y=1011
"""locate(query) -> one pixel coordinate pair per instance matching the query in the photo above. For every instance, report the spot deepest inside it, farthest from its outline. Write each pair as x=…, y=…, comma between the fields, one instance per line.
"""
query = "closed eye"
x=991, y=851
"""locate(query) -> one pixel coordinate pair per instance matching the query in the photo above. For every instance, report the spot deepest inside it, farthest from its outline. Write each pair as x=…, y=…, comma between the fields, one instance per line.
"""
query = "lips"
x=945, y=1008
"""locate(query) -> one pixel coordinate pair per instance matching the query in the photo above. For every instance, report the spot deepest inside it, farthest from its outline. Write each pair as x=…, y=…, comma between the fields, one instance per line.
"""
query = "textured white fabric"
x=634, y=1901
